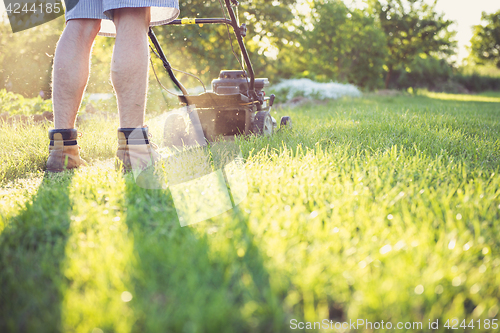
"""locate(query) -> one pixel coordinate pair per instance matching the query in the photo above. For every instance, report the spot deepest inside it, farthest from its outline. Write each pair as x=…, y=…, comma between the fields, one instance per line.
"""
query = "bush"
x=17, y=104
x=423, y=72
x=438, y=75
x=478, y=83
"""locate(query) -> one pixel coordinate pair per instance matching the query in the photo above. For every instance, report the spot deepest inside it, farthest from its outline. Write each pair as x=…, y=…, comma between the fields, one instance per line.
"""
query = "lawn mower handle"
x=240, y=32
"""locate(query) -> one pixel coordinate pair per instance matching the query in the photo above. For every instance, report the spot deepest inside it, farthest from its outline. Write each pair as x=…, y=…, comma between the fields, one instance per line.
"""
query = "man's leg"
x=71, y=70
x=70, y=76
x=129, y=74
x=129, y=67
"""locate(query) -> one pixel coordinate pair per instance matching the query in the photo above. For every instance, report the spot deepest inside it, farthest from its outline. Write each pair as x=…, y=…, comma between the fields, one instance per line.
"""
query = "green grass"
x=383, y=208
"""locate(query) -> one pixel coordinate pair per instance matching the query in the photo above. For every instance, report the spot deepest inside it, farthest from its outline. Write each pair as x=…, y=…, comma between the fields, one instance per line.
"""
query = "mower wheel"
x=286, y=122
x=263, y=123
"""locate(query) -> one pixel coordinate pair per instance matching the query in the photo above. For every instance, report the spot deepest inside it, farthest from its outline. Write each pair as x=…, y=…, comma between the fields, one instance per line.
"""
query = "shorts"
x=162, y=12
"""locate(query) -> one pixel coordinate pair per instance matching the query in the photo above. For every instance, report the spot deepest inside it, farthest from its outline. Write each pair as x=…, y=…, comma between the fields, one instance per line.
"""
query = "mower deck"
x=222, y=115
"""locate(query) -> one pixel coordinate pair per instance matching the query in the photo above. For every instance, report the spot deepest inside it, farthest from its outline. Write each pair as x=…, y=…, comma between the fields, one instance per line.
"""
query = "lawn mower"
x=237, y=104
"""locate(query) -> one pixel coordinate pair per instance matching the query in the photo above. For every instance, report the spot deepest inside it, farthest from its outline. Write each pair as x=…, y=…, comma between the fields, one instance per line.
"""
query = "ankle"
x=133, y=136
x=66, y=137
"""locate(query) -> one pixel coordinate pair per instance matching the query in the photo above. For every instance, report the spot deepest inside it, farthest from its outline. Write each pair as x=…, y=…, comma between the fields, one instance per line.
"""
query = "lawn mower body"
x=237, y=104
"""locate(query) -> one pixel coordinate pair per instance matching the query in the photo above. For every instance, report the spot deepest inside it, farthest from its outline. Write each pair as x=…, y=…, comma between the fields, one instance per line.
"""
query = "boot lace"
x=150, y=137
x=79, y=135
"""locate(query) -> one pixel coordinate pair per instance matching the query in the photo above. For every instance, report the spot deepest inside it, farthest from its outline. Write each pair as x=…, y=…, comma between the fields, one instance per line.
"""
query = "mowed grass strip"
x=381, y=209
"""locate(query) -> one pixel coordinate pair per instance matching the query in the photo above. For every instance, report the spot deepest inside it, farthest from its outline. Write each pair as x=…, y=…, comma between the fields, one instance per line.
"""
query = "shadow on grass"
x=32, y=248
x=190, y=281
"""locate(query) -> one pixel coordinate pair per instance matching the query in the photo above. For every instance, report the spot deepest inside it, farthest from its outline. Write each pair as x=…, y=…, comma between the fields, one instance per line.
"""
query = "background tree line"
x=387, y=44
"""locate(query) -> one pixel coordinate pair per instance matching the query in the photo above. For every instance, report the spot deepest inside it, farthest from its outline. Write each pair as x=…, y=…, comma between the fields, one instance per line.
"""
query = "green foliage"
x=343, y=45
x=26, y=57
x=17, y=104
x=400, y=38
x=422, y=71
x=438, y=75
x=485, y=43
x=477, y=83
x=412, y=27
x=99, y=80
x=380, y=208
x=484, y=70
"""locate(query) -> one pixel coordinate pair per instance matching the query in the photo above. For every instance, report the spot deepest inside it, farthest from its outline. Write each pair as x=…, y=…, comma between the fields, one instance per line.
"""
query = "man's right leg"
x=69, y=79
x=71, y=70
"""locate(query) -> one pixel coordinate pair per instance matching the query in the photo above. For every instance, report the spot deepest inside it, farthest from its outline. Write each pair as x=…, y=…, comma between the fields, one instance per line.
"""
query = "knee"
x=132, y=18
x=83, y=29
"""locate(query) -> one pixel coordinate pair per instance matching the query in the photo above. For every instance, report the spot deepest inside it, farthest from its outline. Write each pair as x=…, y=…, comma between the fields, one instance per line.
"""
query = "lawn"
x=375, y=209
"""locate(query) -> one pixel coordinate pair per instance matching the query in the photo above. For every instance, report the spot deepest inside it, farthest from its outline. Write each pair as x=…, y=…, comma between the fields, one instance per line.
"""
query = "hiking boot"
x=135, y=150
x=64, y=152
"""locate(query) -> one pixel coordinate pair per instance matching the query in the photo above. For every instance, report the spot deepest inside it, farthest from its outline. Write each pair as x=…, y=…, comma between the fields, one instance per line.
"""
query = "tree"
x=485, y=43
x=342, y=44
x=412, y=27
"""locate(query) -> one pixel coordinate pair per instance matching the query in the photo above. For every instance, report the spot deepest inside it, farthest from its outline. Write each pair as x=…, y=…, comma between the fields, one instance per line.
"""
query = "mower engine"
x=231, y=110
x=236, y=82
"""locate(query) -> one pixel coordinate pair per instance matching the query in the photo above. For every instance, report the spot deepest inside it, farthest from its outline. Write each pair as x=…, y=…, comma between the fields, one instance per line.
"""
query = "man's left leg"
x=129, y=75
x=129, y=67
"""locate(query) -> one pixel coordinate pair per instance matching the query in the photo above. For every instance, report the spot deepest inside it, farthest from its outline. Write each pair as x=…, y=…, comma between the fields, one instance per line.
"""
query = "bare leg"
x=129, y=67
x=71, y=69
